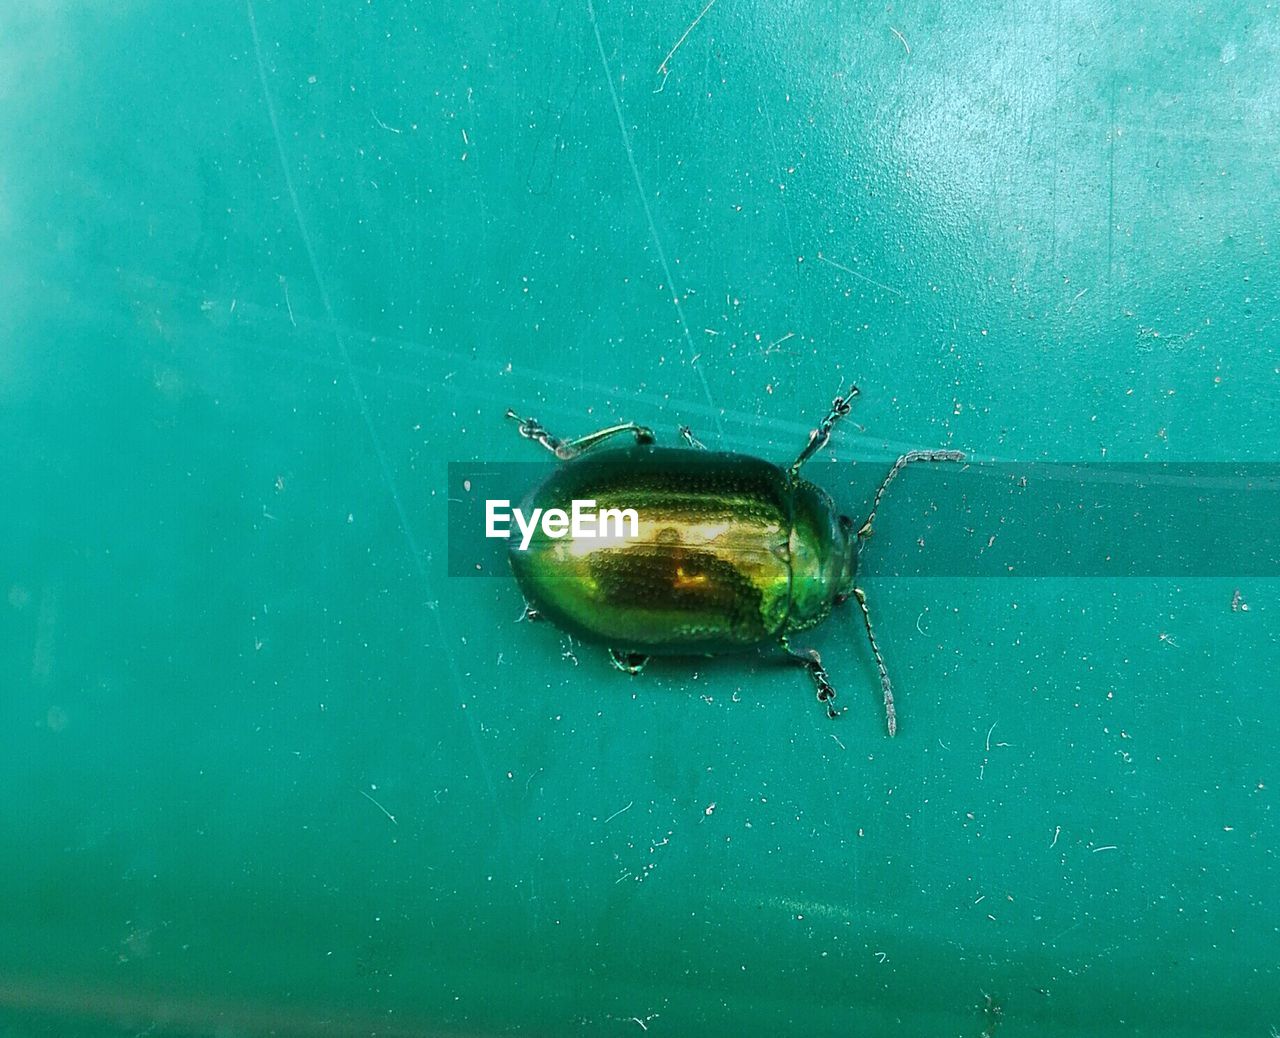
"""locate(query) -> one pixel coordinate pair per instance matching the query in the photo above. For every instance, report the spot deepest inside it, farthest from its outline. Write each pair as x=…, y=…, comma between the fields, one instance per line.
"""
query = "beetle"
x=730, y=552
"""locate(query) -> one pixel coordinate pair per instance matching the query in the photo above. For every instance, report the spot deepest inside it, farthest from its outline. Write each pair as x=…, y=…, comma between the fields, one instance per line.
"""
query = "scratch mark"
x=381, y=123
x=1111, y=188
x=782, y=195
x=384, y=465
x=773, y=346
x=42, y=654
x=1108, y=847
x=288, y=305
x=378, y=806
x=901, y=39
x=618, y=812
x=663, y=70
x=648, y=213
x=1057, y=937
x=861, y=277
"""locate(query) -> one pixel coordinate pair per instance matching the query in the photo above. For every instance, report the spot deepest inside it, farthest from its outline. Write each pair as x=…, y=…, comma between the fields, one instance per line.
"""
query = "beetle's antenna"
x=890, y=715
x=866, y=529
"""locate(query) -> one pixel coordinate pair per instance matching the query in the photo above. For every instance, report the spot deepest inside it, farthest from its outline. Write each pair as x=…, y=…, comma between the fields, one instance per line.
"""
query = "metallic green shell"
x=730, y=552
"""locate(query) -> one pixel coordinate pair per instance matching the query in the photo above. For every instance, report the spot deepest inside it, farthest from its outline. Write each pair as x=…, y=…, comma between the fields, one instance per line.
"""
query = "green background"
x=266, y=269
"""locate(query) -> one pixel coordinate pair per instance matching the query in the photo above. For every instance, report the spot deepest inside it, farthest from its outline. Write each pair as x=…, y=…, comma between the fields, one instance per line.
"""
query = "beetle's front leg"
x=532, y=429
x=812, y=663
x=840, y=407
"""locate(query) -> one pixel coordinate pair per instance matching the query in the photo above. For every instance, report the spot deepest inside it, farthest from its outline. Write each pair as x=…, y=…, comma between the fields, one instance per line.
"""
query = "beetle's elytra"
x=731, y=552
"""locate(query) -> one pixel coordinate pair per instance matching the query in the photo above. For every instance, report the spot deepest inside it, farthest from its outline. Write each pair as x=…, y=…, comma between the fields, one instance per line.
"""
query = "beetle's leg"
x=890, y=715
x=690, y=440
x=812, y=663
x=865, y=530
x=643, y=435
x=628, y=662
x=532, y=429
x=840, y=407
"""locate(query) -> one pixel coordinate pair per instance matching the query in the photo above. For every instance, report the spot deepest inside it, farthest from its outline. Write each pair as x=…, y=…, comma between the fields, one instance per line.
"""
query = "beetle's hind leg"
x=628, y=662
x=812, y=663
x=532, y=429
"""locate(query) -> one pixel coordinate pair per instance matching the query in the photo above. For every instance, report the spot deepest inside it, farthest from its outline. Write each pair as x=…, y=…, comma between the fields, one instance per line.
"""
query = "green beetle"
x=727, y=552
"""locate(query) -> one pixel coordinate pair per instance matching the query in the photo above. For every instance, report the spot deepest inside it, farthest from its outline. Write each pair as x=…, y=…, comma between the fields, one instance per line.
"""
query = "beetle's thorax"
x=823, y=556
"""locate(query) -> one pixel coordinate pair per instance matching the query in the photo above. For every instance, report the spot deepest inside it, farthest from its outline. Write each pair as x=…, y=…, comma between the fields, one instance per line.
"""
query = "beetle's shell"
x=713, y=565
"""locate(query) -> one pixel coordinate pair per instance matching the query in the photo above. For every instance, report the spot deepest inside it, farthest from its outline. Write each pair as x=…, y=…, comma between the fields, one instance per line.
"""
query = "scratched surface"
x=266, y=269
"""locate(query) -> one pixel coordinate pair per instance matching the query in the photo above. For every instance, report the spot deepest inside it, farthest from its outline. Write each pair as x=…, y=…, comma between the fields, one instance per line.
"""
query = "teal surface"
x=266, y=268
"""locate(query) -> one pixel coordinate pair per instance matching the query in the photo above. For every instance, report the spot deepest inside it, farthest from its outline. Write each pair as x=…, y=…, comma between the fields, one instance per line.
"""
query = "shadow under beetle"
x=732, y=552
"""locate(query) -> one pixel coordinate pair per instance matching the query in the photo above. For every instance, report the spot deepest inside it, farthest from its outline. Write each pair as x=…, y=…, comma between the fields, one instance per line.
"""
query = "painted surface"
x=266, y=269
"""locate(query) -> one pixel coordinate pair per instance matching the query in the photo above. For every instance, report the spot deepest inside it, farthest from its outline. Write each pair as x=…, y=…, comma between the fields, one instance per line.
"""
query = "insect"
x=730, y=552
